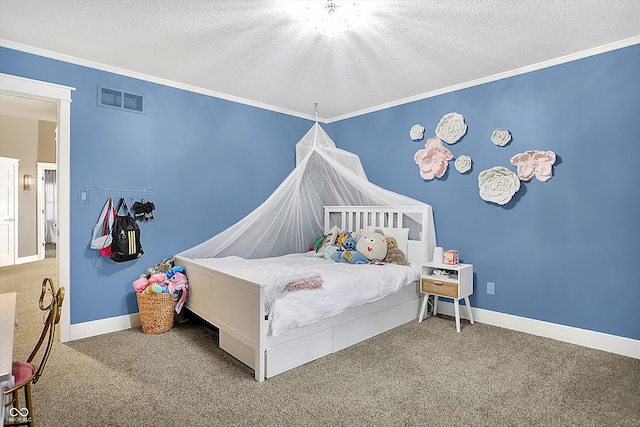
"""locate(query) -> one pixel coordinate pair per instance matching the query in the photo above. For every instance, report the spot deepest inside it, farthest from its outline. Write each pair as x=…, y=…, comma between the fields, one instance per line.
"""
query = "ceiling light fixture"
x=332, y=17
x=335, y=21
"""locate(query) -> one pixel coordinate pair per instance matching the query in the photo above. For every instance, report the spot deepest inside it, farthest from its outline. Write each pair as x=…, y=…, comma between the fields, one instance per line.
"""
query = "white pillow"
x=400, y=234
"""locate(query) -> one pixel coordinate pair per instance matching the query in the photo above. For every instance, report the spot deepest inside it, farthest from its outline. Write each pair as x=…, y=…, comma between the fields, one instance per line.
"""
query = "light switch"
x=83, y=196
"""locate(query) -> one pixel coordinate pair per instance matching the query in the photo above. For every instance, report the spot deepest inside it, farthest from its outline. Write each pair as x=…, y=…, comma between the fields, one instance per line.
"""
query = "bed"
x=236, y=306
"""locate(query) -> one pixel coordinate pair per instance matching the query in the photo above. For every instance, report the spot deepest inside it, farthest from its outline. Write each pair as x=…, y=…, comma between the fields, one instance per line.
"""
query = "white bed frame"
x=236, y=306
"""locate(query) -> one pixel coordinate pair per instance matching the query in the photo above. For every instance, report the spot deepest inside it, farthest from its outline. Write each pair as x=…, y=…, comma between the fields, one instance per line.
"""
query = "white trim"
x=20, y=86
x=26, y=259
x=523, y=70
x=583, y=337
x=534, y=67
x=170, y=83
x=104, y=326
x=61, y=95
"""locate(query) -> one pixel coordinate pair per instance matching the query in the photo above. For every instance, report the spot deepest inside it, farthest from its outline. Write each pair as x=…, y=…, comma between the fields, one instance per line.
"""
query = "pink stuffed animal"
x=157, y=278
x=179, y=282
x=141, y=284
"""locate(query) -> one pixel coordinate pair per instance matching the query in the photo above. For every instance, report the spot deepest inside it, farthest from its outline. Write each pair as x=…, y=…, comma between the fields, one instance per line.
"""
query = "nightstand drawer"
x=439, y=287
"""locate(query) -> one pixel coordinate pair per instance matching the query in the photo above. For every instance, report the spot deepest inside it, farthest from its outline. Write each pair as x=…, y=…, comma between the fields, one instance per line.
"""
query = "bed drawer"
x=439, y=287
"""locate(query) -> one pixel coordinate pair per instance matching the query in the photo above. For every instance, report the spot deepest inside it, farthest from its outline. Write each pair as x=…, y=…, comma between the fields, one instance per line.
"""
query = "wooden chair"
x=27, y=373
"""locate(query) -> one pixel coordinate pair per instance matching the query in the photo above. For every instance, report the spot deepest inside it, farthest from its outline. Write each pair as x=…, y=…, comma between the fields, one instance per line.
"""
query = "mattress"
x=344, y=285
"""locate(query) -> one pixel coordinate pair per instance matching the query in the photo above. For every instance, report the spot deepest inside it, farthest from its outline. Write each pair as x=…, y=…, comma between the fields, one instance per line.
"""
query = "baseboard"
x=591, y=339
x=103, y=326
x=597, y=340
x=26, y=259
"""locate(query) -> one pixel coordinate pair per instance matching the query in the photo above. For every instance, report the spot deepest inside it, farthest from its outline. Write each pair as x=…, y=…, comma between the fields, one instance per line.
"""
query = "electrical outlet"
x=491, y=288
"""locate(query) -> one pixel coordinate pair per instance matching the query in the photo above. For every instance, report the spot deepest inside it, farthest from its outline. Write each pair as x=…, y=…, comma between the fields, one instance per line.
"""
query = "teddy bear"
x=394, y=254
x=371, y=247
x=162, y=267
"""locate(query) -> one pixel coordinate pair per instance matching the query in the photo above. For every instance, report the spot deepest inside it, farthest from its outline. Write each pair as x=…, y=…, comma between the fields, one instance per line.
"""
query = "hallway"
x=26, y=280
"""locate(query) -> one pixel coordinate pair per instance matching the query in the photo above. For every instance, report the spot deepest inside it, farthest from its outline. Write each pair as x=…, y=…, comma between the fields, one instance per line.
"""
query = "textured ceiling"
x=254, y=51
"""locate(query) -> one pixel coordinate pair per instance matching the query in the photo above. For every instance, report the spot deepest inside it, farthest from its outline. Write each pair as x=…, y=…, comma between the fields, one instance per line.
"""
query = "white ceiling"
x=254, y=51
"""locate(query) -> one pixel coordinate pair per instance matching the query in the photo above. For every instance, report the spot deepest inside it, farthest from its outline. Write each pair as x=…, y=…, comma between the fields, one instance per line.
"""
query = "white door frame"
x=61, y=95
x=14, y=239
x=41, y=218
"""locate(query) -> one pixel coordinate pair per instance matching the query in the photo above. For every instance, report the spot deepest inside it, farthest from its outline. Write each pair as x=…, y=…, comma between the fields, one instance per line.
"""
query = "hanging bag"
x=101, y=238
x=125, y=243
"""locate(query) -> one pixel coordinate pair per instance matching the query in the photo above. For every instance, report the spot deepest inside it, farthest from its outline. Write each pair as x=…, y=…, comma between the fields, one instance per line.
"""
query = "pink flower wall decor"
x=433, y=159
x=534, y=162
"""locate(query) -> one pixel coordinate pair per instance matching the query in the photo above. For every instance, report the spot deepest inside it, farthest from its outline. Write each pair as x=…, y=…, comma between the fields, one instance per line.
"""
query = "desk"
x=7, y=326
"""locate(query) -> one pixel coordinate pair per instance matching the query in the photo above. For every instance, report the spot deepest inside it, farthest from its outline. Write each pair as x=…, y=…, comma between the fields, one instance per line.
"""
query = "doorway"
x=28, y=89
x=47, y=210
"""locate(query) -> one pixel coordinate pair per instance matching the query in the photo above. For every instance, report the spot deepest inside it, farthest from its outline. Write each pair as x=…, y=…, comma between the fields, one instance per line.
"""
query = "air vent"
x=113, y=98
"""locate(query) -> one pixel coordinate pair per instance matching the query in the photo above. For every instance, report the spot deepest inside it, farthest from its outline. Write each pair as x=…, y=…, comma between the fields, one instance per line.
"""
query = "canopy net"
x=291, y=219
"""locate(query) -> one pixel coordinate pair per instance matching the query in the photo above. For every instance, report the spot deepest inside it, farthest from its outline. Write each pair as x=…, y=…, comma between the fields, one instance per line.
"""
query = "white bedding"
x=345, y=285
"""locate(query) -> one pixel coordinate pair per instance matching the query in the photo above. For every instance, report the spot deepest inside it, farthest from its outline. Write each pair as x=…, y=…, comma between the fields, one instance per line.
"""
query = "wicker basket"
x=157, y=312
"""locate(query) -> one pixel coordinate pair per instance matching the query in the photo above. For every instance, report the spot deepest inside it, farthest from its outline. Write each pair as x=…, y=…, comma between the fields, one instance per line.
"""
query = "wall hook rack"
x=147, y=191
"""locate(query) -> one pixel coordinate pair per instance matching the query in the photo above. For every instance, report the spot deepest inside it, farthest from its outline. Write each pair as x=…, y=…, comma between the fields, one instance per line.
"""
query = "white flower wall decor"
x=417, y=132
x=501, y=137
x=451, y=128
x=463, y=163
x=498, y=185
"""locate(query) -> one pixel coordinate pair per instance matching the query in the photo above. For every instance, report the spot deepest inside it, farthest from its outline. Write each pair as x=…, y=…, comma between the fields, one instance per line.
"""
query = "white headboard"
x=418, y=219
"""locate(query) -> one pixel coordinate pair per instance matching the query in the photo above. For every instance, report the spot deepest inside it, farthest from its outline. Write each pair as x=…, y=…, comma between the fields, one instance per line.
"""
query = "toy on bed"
x=325, y=247
x=395, y=254
x=371, y=247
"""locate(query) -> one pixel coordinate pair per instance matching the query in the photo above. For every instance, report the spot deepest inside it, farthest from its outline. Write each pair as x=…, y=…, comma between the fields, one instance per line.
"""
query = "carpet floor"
x=419, y=374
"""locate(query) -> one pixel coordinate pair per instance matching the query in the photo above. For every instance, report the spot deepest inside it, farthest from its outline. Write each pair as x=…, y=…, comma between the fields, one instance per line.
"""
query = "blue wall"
x=209, y=161
x=562, y=251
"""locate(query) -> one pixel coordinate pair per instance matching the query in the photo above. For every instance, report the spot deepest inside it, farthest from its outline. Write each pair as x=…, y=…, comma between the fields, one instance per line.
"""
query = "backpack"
x=125, y=236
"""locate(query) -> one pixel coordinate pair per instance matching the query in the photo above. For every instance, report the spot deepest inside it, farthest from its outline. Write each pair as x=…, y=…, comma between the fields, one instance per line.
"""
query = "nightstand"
x=458, y=284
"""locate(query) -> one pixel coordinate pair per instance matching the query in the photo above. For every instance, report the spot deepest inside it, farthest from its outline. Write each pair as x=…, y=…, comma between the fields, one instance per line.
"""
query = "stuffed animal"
x=153, y=289
x=371, y=247
x=342, y=238
x=141, y=283
x=332, y=252
x=174, y=270
x=157, y=278
x=330, y=238
x=179, y=288
x=162, y=267
x=395, y=254
x=317, y=244
x=349, y=244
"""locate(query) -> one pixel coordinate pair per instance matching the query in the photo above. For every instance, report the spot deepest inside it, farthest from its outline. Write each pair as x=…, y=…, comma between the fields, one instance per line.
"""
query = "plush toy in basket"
x=161, y=293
